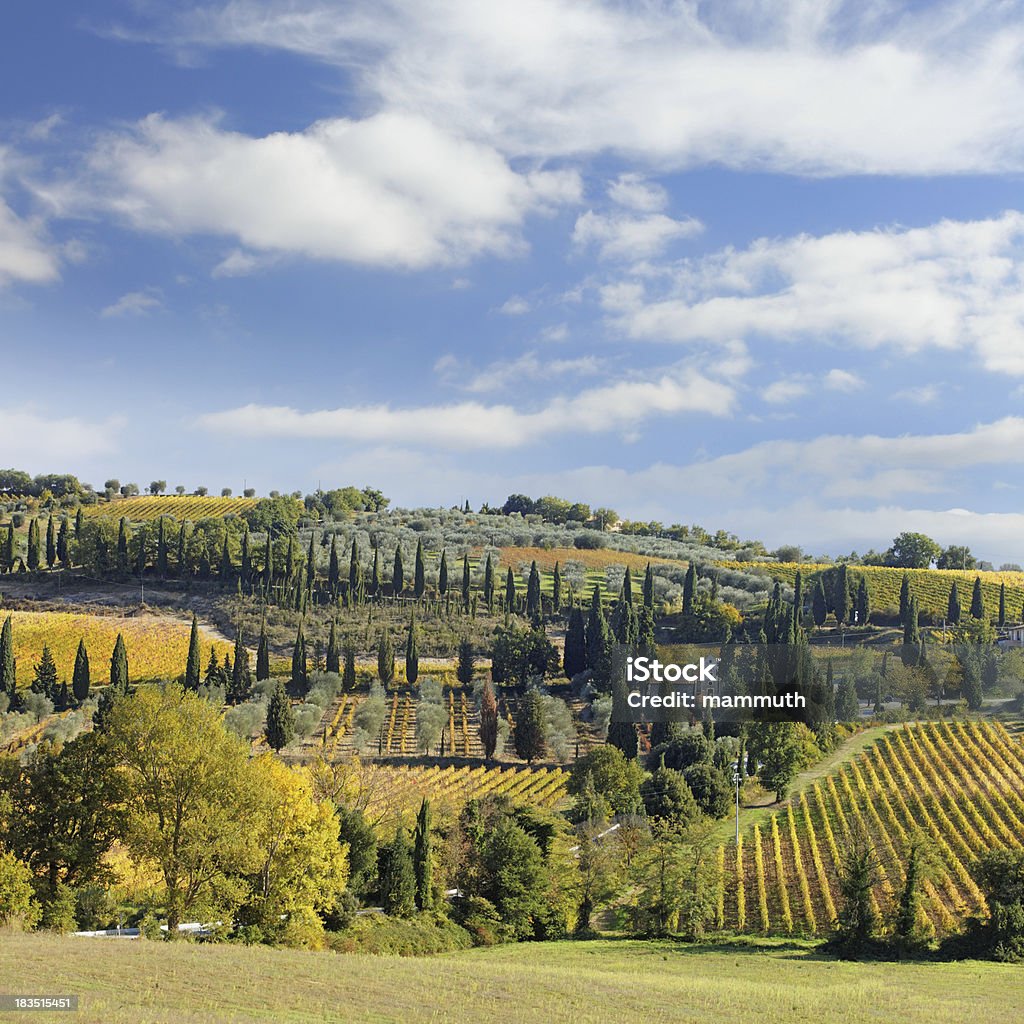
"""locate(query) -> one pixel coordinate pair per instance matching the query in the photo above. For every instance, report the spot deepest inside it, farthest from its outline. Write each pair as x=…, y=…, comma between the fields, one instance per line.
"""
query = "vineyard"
x=157, y=647
x=191, y=507
x=958, y=787
x=931, y=586
x=395, y=793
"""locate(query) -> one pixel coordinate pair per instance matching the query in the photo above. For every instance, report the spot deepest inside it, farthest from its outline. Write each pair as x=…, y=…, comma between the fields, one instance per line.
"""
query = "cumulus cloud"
x=625, y=236
x=953, y=285
x=474, y=425
x=515, y=305
x=787, y=389
x=508, y=373
x=784, y=85
x=843, y=380
x=392, y=189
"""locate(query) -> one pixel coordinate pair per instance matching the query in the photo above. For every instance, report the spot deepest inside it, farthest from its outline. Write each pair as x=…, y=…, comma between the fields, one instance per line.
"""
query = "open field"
x=931, y=586
x=157, y=645
x=571, y=982
x=957, y=786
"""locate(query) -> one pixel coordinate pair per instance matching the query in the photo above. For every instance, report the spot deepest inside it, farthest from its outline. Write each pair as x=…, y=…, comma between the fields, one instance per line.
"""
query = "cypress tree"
x=241, y=679
x=489, y=583
x=289, y=560
x=529, y=731
x=161, y=547
x=268, y=563
x=488, y=720
x=118, y=667
x=467, y=579
x=280, y=727
x=246, y=559
x=911, y=635
x=442, y=574
x=122, y=545
x=689, y=587
x=397, y=877
x=977, y=600
x=599, y=642
x=334, y=567
x=575, y=658
x=385, y=658
x=627, y=587
x=300, y=664
x=80, y=677
x=8, y=549
x=847, y=704
x=649, y=587
x=311, y=562
x=34, y=547
x=227, y=671
x=422, y=858
x=8, y=682
x=798, y=598
x=863, y=606
x=192, y=666
x=348, y=679
x=45, y=676
x=622, y=734
x=375, y=575
x=953, y=607
x=819, y=606
x=904, y=597
x=398, y=573
x=226, y=568
x=1002, y=604
x=62, y=701
x=333, y=663
x=510, y=591
x=79, y=520
x=412, y=656
x=63, y=551
x=466, y=663
x=51, y=543
x=533, y=592
x=182, y=536
x=263, y=654
x=419, y=584
x=841, y=595
x=556, y=589
x=910, y=899
x=355, y=573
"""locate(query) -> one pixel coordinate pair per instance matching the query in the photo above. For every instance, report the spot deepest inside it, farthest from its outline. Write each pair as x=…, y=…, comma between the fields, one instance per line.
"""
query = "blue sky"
x=753, y=265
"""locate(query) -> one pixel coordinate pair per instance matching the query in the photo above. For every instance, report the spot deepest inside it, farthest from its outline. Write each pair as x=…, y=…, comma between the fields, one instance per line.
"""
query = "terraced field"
x=187, y=506
x=958, y=786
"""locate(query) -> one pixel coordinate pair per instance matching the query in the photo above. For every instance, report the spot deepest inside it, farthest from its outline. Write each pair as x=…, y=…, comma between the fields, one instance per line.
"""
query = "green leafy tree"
x=667, y=797
x=514, y=878
x=856, y=923
x=775, y=747
x=847, y=704
x=1000, y=876
x=913, y=551
x=240, y=683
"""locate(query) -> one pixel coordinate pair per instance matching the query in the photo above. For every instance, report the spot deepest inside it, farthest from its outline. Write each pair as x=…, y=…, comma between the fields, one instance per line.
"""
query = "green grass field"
x=570, y=983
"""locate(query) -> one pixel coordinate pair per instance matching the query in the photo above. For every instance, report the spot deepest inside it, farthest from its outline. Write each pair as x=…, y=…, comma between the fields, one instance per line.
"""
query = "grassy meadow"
x=593, y=982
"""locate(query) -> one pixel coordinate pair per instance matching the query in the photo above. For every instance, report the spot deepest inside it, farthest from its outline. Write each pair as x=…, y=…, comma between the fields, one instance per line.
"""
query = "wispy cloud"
x=133, y=304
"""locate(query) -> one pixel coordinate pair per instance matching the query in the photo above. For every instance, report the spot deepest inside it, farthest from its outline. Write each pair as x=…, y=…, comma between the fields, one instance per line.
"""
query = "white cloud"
x=555, y=332
x=239, y=263
x=133, y=304
x=516, y=305
x=501, y=375
x=785, y=390
x=923, y=395
x=473, y=425
x=33, y=438
x=392, y=189
x=637, y=193
x=843, y=380
x=953, y=285
x=24, y=254
x=628, y=237
x=783, y=85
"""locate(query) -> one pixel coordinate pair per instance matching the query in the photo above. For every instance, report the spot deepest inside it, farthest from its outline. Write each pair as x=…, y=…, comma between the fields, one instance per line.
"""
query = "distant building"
x=1011, y=636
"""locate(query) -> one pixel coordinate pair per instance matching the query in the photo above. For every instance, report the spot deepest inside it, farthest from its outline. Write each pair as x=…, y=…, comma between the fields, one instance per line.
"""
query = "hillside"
x=570, y=982
x=959, y=787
